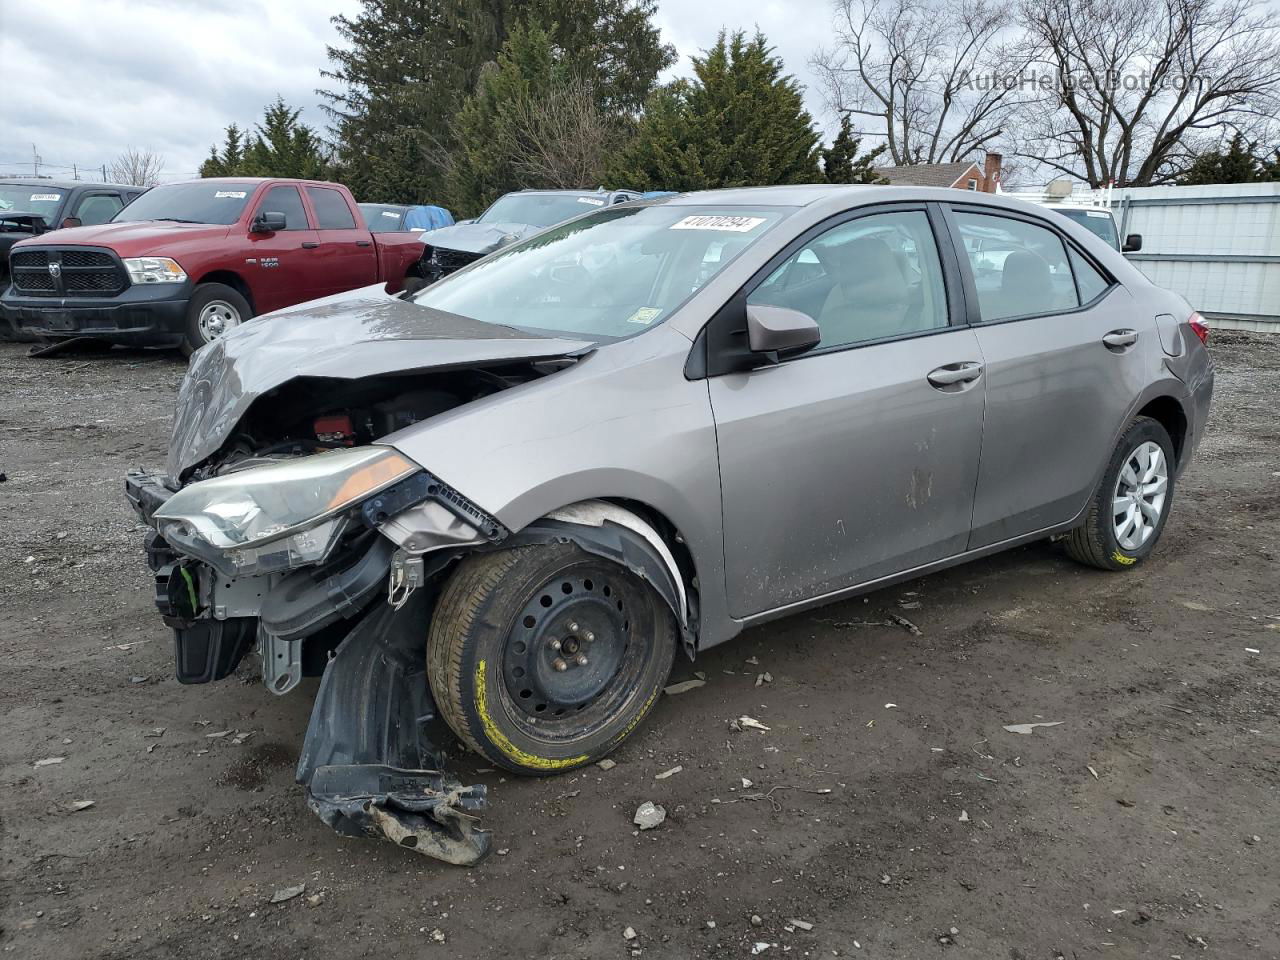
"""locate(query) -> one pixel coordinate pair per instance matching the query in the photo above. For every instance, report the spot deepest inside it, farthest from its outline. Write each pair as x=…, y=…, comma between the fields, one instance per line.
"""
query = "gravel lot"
x=1146, y=824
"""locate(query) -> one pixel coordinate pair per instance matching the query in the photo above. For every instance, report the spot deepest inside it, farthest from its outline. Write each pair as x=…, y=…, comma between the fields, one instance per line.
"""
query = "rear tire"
x=214, y=310
x=1132, y=503
x=545, y=658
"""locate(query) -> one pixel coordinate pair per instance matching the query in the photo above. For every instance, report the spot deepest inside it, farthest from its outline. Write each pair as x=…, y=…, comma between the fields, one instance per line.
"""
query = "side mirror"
x=1132, y=243
x=780, y=331
x=70, y=221
x=269, y=221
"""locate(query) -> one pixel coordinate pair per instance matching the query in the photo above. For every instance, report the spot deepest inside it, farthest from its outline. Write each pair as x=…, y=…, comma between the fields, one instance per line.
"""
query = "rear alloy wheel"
x=545, y=658
x=1128, y=512
x=213, y=311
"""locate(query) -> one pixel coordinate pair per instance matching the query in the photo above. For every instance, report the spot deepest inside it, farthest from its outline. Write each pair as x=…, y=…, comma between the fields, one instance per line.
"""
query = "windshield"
x=539, y=209
x=1097, y=222
x=204, y=201
x=605, y=276
x=28, y=199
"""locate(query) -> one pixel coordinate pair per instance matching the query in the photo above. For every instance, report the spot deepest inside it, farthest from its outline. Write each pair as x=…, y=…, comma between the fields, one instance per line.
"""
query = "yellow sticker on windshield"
x=645, y=315
x=732, y=224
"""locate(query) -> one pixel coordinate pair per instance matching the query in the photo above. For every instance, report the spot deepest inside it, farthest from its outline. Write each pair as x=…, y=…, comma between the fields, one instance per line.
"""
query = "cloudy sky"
x=86, y=79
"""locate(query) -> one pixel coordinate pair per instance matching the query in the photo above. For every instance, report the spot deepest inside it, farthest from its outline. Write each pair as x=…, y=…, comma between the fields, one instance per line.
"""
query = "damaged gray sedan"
x=511, y=500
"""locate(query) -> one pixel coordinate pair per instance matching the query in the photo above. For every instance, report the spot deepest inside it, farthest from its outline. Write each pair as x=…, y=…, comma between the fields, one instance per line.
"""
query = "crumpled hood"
x=348, y=336
x=478, y=237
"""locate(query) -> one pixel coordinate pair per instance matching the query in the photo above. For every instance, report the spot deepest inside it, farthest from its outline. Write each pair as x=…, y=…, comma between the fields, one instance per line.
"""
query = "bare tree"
x=138, y=167
x=1139, y=87
x=925, y=73
x=562, y=140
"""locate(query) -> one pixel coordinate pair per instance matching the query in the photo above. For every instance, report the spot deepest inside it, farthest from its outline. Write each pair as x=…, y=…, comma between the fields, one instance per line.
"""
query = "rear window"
x=202, y=201
x=332, y=212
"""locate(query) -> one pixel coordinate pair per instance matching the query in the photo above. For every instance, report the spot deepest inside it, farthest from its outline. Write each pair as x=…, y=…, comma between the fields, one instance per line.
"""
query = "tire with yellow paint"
x=1138, y=482
x=545, y=658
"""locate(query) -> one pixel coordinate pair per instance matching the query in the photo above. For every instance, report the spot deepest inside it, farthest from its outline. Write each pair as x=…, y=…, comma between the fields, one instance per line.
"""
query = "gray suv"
x=512, y=499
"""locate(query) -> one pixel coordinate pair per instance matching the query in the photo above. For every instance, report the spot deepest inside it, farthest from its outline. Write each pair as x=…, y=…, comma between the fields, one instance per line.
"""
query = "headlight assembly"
x=145, y=270
x=278, y=516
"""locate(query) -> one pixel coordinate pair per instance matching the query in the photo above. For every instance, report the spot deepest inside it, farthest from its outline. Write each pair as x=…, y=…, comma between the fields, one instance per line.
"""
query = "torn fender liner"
x=367, y=764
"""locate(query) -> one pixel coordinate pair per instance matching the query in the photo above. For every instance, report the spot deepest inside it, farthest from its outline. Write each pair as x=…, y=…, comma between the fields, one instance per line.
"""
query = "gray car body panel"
x=625, y=424
x=478, y=237
x=360, y=333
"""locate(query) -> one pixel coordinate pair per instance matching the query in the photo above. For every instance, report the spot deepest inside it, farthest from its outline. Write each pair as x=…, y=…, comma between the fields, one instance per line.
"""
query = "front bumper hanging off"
x=368, y=764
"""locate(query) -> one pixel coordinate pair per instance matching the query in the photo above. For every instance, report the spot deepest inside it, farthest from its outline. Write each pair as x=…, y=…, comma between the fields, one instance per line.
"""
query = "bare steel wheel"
x=545, y=658
x=1128, y=511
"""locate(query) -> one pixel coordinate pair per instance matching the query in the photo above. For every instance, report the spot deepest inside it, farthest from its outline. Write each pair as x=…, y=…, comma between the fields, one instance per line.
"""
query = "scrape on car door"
x=859, y=458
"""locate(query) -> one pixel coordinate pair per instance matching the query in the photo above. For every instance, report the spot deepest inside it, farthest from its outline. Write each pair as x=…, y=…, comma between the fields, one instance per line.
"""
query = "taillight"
x=1199, y=326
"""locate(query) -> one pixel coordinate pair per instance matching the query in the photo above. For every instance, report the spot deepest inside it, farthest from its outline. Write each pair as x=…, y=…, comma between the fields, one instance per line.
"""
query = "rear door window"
x=332, y=212
x=1019, y=268
x=285, y=199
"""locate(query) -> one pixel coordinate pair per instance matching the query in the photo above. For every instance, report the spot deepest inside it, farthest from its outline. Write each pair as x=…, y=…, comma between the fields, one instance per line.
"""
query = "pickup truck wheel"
x=545, y=658
x=213, y=311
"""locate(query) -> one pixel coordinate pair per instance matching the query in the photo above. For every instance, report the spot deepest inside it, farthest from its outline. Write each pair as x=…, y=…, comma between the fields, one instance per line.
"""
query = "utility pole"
x=75, y=174
x=35, y=162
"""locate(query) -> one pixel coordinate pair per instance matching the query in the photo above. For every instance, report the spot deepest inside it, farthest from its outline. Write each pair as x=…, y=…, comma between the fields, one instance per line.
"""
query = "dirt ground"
x=886, y=805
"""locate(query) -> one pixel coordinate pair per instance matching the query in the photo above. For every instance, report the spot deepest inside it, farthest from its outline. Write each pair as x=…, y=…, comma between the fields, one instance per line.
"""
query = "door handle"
x=1121, y=338
x=954, y=373
x=364, y=243
x=309, y=244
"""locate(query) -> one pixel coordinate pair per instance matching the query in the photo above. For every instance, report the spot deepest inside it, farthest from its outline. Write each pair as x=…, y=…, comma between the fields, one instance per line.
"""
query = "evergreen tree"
x=738, y=122
x=227, y=162
x=1237, y=164
x=408, y=66
x=841, y=162
x=279, y=147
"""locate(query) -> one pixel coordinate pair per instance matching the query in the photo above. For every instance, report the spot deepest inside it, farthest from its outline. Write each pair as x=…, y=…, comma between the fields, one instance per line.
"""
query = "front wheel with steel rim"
x=1129, y=509
x=213, y=311
x=545, y=658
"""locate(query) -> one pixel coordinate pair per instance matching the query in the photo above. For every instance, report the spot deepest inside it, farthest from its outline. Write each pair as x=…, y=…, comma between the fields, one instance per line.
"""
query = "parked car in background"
x=393, y=217
x=1092, y=209
x=187, y=262
x=29, y=208
x=511, y=217
x=513, y=498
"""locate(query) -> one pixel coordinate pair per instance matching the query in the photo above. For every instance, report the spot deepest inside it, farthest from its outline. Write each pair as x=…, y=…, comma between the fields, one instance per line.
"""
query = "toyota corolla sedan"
x=511, y=500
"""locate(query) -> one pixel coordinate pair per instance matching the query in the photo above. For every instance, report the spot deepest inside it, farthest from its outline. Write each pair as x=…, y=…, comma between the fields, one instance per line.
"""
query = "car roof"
x=838, y=196
x=64, y=184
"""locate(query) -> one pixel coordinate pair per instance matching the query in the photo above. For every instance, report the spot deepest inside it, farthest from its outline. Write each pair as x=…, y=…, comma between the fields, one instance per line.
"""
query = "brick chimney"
x=991, y=172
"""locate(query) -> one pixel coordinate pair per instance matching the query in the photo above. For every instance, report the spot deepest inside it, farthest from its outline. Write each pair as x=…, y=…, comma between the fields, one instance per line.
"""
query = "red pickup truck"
x=186, y=262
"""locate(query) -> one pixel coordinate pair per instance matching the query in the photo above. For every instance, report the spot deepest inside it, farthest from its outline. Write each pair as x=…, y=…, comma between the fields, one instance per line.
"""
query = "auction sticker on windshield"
x=49, y=197
x=230, y=194
x=709, y=222
x=594, y=201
